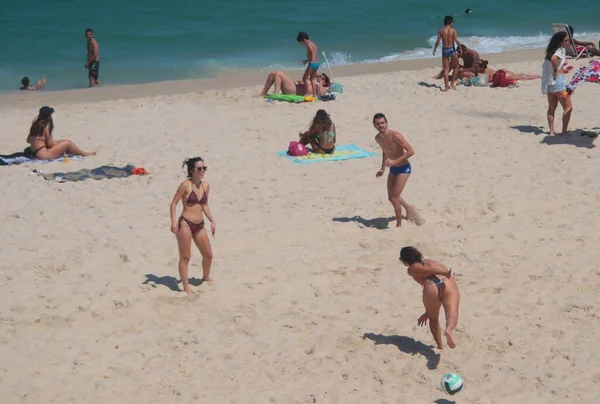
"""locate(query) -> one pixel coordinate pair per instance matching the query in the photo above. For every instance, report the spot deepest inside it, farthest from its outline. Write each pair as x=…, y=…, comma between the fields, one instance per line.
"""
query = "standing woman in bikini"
x=439, y=289
x=193, y=193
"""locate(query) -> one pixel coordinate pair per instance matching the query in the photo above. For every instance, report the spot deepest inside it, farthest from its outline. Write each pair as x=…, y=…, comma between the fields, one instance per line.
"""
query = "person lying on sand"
x=43, y=145
x=482, y=68
x=285, y=85
x=439, y=289
x=321, y=134
x=25, y=84
x=470, y=59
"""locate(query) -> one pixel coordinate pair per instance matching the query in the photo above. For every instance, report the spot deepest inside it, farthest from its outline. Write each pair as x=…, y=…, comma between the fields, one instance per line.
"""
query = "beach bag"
x=499, y=79
x=297, y=149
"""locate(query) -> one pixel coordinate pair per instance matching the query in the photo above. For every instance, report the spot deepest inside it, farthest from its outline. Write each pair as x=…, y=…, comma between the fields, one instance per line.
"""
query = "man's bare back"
x=448, y=36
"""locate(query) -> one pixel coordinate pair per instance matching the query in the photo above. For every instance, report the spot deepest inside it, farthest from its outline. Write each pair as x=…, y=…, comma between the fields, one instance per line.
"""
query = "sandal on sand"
x=58, y=178
x=589, y=134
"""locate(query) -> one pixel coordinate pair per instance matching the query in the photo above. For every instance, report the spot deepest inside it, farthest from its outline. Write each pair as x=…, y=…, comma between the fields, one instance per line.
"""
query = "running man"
x=448, y=36
x=93, y=58
x=439, y=289
x=395, y=152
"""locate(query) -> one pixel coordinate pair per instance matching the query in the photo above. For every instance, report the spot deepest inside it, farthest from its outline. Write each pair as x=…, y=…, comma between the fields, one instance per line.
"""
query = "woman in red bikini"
x=439, y=289
x=193, y=193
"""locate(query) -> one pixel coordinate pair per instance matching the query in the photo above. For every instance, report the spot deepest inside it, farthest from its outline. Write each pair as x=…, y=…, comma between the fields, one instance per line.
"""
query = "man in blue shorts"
x=395, y=152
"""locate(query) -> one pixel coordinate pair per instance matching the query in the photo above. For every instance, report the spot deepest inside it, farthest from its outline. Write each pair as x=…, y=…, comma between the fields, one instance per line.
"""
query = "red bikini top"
x=193, y=198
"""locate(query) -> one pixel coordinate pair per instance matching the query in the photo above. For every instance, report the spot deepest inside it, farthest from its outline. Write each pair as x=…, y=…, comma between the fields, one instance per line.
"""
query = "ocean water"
x=156, y=40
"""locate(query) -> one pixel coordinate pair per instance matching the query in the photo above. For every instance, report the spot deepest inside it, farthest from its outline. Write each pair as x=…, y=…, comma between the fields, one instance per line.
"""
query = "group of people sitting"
x=473, y=66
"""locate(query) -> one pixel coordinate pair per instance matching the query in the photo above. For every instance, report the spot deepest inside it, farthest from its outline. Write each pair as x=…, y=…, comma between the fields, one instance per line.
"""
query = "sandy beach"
x=310, y=303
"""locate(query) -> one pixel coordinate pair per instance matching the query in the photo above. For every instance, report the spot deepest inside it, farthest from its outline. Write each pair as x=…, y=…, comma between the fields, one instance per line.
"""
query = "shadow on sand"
x=407, y=345
x=380, y=223
x=169, y=281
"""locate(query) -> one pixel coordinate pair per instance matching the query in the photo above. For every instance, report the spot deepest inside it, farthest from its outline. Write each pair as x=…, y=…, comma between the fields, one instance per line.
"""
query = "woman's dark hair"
x=554, y=44
x=25, y=81
x=482, y=64
x=38, y=125
x=321, y=122
x=327, y=79
x=191, y=163
x=410, y=255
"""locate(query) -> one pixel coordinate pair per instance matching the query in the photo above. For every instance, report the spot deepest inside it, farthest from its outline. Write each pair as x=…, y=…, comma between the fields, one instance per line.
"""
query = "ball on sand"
x=451, y=383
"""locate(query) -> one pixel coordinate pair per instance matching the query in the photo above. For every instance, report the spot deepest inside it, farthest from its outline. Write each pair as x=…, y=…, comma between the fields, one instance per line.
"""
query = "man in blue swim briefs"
x=310, y=75
x=448, y=37
x=395, y=152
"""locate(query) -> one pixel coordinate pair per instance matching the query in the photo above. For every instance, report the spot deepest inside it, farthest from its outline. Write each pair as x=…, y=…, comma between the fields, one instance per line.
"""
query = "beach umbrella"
x=589, y=73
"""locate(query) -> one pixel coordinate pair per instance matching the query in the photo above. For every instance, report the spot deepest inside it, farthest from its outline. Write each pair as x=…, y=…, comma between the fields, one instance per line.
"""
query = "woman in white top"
x=554, y=82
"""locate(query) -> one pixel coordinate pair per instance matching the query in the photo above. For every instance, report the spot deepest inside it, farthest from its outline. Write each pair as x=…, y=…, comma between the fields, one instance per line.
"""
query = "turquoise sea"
x=152, y=40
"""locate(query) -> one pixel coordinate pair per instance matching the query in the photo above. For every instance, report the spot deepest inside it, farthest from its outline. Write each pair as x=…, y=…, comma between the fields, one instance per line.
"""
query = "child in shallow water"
x=321, y=135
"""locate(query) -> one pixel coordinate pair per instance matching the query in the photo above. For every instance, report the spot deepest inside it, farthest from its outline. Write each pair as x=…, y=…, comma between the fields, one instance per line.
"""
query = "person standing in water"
x=193, y=194
x=93, y=58
x=395, y=152
x=439, y=289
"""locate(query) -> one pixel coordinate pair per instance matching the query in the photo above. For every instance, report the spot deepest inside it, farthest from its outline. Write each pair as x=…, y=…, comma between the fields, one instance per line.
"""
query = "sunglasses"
x=201, y=168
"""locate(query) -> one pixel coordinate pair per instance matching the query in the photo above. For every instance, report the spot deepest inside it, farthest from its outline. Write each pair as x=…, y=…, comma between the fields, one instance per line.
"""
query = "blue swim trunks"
x=448, y=52
x=314, y=65
x=405, y=169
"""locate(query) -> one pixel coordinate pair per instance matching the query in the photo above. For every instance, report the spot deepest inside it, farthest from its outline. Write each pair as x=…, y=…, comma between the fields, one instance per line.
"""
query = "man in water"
x=395, y=152
x=93, y=58
x=448, y=37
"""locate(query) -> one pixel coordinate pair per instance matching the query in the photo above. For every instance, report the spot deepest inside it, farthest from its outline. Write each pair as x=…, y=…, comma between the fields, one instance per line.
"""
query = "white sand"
x=310, y=305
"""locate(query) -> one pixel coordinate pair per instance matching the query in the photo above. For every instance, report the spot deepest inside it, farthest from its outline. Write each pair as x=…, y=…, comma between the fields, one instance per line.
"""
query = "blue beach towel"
x=344, y=152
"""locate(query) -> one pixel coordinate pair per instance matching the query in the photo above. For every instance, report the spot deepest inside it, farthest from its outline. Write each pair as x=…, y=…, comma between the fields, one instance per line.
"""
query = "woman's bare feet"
x=450, y=339
x=208, y=279
x=88, y=154
x=188, y=290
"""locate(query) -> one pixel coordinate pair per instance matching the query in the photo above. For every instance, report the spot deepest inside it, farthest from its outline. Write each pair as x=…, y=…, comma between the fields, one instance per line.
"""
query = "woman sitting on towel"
x=321, y=134
x=193, y=194
x=285, y=85
x=43, y=145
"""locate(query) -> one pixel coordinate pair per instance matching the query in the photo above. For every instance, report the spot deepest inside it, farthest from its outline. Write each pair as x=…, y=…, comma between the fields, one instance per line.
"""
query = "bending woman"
x=321, y=134
x=43, y=145
x=439, y=289
x=193, y=194
x=285, y=85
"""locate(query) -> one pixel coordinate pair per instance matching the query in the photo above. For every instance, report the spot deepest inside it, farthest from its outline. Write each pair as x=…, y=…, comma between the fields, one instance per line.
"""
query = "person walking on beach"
x=439, y=289
x=554, y=83
x=193, y=194
x=448, y=37
x=93, y=58
x=312, y=64
x=395, y=152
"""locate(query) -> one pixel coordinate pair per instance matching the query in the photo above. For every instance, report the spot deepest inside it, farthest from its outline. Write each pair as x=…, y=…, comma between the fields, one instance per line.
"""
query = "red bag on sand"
x=499, y=79
x=297, y=149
